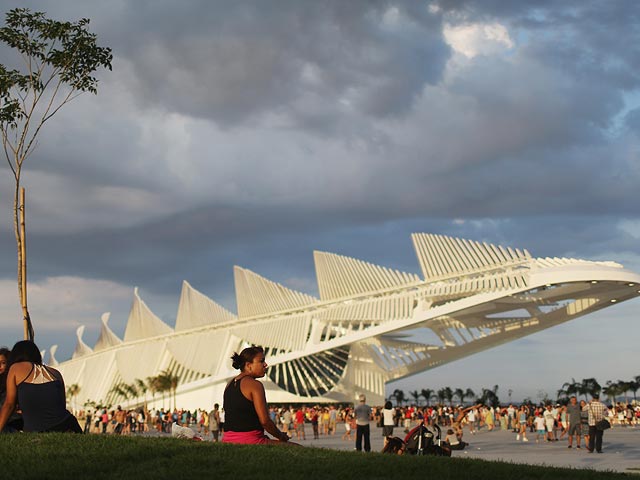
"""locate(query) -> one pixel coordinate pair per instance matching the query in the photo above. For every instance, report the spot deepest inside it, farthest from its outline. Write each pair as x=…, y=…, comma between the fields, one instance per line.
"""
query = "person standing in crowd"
x=333, y=417
x=222, y=416
x=286, y=420
x=511, y=412
x=120, y=419
x=87, y=422
x=314, y=423
x=299, y=425
x=39, y=390
x=584, y=422
x=245, y=403
x=489, y=419
x=540, y=426
x=347, y=425
x=104, y=420
x=363, y=417
x=388, y=414
x=597, y=411
x=549, y=420
x=214, y=422
x=522, y=423
x=471, y=420
x=573, y=417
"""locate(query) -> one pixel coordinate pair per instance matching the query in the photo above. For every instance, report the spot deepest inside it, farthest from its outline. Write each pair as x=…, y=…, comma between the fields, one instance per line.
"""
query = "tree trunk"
x=21, y=243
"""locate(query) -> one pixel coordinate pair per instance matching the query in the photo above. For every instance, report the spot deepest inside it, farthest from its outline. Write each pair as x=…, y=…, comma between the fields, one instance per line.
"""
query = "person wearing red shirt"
x=299, y=424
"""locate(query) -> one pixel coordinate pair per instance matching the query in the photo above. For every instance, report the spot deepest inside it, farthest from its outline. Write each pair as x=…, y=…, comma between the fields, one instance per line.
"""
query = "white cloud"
x=61, y=303
x=475, y=39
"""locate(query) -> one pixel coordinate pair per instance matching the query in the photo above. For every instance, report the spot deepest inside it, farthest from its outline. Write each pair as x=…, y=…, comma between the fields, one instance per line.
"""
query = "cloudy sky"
x=254, y=132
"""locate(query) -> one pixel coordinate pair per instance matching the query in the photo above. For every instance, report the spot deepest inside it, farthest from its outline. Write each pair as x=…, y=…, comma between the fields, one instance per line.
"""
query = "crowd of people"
x=538, y=423
x=245, y=415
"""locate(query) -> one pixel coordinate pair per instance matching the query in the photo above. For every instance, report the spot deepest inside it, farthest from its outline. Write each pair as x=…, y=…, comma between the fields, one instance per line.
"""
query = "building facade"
x=369, y=326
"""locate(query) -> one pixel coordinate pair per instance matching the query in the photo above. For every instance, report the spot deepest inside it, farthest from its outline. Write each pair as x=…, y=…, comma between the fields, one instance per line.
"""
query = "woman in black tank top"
x=39, y=390
x=245, y=404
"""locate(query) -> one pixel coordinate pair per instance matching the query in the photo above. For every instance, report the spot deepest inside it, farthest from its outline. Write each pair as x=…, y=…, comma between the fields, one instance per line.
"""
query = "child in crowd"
x=539, y=426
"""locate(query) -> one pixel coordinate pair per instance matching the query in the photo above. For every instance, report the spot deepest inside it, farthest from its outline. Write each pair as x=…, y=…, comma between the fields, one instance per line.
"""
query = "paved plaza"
x=621, y=449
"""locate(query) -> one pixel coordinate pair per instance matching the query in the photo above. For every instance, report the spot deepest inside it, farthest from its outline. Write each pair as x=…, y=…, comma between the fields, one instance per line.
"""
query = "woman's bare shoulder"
x=254, y=385
x=20, y=367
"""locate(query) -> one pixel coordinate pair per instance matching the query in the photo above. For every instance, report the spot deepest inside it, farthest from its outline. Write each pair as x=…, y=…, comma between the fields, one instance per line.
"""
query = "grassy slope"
x=44, y=456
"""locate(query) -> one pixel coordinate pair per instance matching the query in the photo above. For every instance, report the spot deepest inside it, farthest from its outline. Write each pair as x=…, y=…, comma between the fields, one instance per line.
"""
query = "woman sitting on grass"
x=39, y=390
x=14, y=424
x=245, y=404
x=453, y=441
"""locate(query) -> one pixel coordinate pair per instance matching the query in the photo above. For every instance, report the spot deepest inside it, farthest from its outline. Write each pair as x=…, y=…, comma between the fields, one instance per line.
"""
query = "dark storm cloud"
x=254, y=132
x=232, y=61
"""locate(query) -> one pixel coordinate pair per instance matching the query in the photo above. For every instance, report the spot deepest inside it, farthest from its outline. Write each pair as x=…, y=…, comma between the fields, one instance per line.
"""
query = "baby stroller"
x=423, y=441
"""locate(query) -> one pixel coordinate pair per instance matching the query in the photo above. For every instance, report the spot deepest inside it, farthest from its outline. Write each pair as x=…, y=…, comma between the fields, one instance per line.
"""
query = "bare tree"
x=58, y=62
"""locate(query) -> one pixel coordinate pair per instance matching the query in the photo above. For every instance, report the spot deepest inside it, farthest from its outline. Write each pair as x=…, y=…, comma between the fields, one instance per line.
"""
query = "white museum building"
x=370, y=324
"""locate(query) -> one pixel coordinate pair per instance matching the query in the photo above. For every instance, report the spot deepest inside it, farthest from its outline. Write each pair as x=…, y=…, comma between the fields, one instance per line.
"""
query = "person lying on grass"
x=245, y=403
x=39, y=390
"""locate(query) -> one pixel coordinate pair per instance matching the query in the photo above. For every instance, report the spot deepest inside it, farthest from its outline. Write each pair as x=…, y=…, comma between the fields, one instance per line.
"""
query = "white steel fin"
x=143, y=323
x=198, y=310
x=442, y=257
x=52, y=355
x=340, y=276
x=256, y=295
x=81, y=347
x=107, y=338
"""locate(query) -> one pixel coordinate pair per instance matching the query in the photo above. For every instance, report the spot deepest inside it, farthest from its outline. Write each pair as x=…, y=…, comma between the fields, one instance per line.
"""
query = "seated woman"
x=14, y=424
x=393, y=445
x=245, y=403
x=39, y=390
x=453, y=441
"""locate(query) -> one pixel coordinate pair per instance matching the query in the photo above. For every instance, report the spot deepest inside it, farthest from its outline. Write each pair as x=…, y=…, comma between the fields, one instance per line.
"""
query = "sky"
x=251, y=133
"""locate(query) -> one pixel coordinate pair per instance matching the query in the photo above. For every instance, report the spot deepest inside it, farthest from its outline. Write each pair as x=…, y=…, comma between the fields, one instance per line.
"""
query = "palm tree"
x=162, y=384
x=460, y=393
x=634, y=386
x=132, y=391
x=490, y=396
x=590, y=386
x=142, y=388
x=469, y=393
x=119, y=391
x=561, y=394
x=448, y=394
x=416, y=396
x=427, y=394
x=441, y=396
x=570, y=388
x=398, y=395
x=624, y=389
x=611, y=390
x=152, y=383
x=170, y=381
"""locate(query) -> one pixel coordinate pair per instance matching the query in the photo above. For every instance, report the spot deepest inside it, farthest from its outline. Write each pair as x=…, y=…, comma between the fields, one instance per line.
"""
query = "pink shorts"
x=252, y=437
